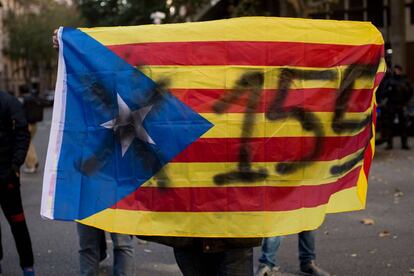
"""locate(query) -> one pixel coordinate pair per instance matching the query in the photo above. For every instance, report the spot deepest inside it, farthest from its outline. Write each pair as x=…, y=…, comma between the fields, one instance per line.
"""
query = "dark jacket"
x=207, y=245
x=33, y=108
x=398, y=92
x=14, y=135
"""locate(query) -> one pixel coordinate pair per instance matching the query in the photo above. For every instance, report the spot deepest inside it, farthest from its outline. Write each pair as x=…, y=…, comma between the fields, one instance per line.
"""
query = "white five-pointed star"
x=128, y=124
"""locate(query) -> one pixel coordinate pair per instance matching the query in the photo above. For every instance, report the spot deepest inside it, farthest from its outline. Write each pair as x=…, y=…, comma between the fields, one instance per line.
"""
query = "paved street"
x=345, y=246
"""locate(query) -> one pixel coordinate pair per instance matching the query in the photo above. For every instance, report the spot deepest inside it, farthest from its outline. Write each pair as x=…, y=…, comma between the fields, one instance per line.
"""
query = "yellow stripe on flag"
x=225, y=77
x=204, y=224
x=202, y=174
x=244, y=29
x=345, y=201
x=229, y=125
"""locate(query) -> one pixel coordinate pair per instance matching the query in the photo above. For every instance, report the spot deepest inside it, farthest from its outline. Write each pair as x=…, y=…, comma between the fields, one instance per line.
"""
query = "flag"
x=246, y=127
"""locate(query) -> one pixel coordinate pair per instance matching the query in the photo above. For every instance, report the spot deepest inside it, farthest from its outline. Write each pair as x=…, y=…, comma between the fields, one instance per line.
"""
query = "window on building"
x=375, y=12
x=321, y=15
x=356, y=14
x=411, y=9
x=355, y=10
x=338, y=15
x=6, y=71
x=388, y=13
x=339, y=5
x=338, y=10
x=356, y=4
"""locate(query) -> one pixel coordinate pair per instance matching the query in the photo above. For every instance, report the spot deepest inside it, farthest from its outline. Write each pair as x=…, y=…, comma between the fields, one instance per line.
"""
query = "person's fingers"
x=55, y=43
x=55, y=39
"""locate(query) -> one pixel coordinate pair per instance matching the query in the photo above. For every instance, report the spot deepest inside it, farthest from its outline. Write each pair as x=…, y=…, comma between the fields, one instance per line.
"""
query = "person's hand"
x=55, y=40
x=15, y=171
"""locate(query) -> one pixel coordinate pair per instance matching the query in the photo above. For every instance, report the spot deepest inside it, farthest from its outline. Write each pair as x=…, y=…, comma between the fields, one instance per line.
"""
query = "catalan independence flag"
x=246, y=127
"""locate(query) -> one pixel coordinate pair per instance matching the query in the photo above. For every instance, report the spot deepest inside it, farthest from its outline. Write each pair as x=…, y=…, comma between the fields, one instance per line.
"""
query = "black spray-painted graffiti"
x=96, y=94
x=251, y=83
x=103, y=100
x=307, y=119
x=339, y=124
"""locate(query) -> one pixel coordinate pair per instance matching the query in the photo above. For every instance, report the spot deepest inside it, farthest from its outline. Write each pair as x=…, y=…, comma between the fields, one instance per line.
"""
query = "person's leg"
x=89, y=253
x=381, y=126
x=31, y=161
x=102, y=248
x=1, y=248
x=124, y=254
x=402, y=119
x=306, y=242
x=2, y=183
x=270, y=247
x=307, y=255
x=389, y=124
x=11, y=203
x=192, y=262
x=236, y=262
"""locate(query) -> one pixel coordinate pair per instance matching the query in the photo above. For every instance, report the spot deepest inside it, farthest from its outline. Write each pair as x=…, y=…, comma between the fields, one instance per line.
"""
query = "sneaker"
x=312, y=269
x=265, y=270
x=28, y=271
x=29, y=170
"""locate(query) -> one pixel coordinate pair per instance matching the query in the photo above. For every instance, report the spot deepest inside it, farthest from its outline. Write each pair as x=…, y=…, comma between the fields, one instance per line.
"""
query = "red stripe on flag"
x=378, y=78
x=368, y=154
x=234, y=199
x=273, y=149
x=367, y=160
x=374, y=115
x=247, y=53
x=312, y=99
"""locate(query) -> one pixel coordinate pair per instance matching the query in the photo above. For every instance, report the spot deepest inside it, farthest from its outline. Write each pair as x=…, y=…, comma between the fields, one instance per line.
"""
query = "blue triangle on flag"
x=103, y=157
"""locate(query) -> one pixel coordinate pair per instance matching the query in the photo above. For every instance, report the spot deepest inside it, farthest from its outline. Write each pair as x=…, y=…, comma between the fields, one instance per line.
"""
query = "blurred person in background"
x=33, y=107
x=381, y=108
x=14, y=142
x=397, y=94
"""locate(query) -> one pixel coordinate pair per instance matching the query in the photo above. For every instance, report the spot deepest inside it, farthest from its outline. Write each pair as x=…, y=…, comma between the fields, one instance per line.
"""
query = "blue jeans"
x=306, y=244
x=90, y=241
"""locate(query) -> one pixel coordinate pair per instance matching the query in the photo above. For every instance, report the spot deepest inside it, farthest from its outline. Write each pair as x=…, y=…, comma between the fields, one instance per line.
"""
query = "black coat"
x=398, y=92
x=14, y=135
x=206, y=245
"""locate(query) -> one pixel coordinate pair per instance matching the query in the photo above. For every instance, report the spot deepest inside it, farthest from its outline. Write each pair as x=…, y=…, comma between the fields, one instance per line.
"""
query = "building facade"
x=11, y=75
x=394, y=18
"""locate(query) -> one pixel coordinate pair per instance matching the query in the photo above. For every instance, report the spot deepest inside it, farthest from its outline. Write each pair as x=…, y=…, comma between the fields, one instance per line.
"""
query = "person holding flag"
x=14, y=143
x=158, y=131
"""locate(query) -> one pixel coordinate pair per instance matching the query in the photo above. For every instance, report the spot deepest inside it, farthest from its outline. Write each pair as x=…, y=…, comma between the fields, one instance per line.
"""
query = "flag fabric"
x=246, y=127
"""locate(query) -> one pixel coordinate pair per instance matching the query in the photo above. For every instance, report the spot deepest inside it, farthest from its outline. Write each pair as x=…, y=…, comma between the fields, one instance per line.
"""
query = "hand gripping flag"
x=247, y=127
